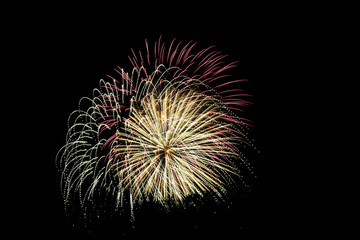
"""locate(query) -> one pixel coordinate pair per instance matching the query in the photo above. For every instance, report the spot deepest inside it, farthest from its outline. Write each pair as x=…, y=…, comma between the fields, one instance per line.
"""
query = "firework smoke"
x=161, y=133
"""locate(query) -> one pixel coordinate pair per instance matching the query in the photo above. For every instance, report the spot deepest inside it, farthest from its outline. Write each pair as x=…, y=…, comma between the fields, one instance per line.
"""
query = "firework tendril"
x=162, y=133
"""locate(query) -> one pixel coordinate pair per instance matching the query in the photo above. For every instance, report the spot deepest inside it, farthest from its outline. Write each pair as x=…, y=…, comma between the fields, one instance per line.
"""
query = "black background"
x=300, y=190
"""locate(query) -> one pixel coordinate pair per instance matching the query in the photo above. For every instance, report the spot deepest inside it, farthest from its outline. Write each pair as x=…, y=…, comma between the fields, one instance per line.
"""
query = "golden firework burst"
x=174, y=145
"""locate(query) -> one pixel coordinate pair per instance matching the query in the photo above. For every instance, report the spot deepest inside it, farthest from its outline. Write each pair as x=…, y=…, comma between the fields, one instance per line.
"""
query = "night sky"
x=299, y=190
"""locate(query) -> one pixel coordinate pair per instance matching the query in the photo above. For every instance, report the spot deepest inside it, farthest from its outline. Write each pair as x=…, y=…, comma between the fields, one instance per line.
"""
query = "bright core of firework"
x=174, y=145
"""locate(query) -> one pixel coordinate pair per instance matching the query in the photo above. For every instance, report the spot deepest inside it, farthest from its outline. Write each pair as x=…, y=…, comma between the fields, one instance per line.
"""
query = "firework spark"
x=162, y=133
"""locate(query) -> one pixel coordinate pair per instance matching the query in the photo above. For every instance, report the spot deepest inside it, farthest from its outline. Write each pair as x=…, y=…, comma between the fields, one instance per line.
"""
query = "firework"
x=161, y=133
